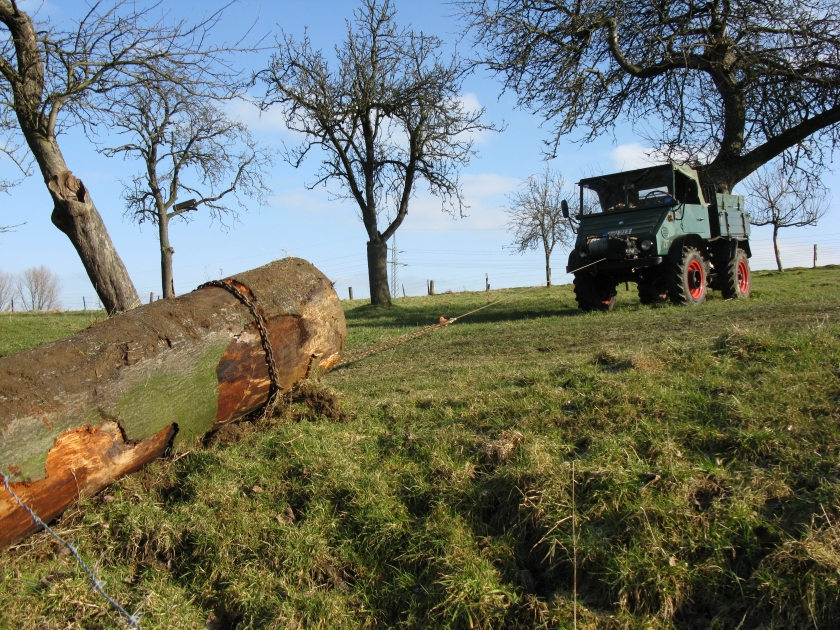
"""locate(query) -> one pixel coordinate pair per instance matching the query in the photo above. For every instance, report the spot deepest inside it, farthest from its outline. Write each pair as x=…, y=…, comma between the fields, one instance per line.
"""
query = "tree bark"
x=547, y=268
x=76, y=216
x=377, y=256
x=166, y=251
x=80, y=412
x=776, y=247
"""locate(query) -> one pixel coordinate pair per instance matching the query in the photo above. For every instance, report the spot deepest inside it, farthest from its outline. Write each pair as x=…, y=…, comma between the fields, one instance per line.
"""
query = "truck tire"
x=735, y=278
x=592, y=295
x=687, y=278
x=652, y=292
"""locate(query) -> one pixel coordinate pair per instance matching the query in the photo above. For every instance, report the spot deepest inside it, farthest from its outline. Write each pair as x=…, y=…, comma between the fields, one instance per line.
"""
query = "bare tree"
x=723, y=85
x=52, y=78
x=7, y=289
x=38, y=289
x=785, y=197
x=189, y=146
x=389, y=115
x=536, y=217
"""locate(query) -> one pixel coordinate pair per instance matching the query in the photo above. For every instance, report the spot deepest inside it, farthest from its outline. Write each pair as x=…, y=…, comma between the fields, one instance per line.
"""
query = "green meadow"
x=529, y=466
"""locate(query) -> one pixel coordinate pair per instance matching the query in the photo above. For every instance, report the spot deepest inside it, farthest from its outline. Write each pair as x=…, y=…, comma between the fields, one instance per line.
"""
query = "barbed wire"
x=97, y=584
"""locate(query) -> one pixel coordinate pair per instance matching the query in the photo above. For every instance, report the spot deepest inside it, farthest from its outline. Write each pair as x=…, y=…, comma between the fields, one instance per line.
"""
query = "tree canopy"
x=188, y=146
x=387, y=115
x=723, y=85
x=536, y=216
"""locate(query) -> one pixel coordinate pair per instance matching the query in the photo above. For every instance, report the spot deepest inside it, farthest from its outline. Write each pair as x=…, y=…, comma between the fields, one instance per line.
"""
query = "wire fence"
x=95, y=582
x=464, y=269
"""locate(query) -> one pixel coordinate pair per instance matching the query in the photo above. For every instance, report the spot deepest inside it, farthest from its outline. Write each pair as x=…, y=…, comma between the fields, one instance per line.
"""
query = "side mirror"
x=564, y=207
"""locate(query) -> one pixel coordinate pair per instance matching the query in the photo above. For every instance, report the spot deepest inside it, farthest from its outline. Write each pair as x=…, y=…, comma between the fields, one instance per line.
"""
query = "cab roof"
x=685, y=170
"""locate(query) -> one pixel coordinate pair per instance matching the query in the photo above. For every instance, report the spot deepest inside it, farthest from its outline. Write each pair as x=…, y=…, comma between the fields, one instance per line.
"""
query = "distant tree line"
x=35, y=289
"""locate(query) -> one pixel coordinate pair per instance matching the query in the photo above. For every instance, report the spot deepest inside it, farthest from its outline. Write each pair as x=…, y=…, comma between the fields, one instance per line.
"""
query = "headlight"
x=647, y=244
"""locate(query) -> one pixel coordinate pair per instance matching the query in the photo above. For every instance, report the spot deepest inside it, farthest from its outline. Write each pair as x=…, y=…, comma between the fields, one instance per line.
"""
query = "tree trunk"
x=776, y=247
x=76, y=216
x=377, y=256
x=547, y=268
x=166, y=251
x=80, y=412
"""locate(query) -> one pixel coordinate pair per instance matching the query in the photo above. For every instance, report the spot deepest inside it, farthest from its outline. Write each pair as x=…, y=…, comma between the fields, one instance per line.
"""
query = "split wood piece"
x=78, y=413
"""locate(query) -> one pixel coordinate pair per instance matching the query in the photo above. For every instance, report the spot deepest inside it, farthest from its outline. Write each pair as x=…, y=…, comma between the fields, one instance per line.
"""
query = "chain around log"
x=273, y=374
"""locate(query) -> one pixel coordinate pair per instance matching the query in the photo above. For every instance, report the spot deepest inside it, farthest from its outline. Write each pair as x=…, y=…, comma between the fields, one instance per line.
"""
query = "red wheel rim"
x=743, y=277
x=696, y=282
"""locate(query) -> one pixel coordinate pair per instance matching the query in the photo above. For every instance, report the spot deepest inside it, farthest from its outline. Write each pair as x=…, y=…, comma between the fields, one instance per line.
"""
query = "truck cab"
x=659, y=228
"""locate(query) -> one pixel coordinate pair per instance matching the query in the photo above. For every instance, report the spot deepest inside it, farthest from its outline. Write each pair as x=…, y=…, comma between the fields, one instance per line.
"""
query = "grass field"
x=527, y=467
x=19, y=331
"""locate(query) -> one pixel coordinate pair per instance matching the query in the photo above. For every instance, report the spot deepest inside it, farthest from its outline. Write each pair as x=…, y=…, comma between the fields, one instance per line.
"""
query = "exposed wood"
x=80, y=412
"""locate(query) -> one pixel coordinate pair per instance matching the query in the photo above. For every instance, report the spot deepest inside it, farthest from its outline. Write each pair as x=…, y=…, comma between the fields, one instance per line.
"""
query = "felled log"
x=76, y=414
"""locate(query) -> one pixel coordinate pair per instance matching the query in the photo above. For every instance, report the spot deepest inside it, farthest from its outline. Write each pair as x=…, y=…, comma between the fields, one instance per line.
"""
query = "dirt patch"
x=324, y=403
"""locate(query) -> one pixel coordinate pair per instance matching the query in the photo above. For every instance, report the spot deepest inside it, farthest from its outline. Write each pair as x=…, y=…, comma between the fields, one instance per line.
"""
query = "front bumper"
x=614, y=265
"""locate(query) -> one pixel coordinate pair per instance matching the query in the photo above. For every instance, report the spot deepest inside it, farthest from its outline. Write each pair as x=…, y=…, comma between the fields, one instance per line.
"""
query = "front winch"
x=613, y=248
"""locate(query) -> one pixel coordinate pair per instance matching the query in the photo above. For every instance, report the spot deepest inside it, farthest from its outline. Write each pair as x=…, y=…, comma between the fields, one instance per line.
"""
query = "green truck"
x=658, y=227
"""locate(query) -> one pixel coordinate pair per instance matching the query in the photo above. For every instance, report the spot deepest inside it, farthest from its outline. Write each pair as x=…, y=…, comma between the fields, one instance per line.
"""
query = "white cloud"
x=469, y=101
x=270, y=121
x=483, y=193
x=483, y=185
x=627, y=157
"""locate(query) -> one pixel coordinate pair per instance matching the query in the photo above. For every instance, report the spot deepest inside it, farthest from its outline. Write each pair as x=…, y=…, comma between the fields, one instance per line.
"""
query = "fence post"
x=486, y=281
x=431, y=287
x=815, y=255
x=13, y=305
x=151, y=297
x=84, y=304
x=351, y=292
x=403, y=288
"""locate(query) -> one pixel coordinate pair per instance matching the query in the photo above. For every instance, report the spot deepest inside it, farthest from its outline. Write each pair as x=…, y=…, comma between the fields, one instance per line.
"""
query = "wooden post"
x=486, y=281
x=431, y=287
x=151, y=297
x=815, y=255
x=351, y=292
x=403, y=288
x=13, y=305
x=122, y=391
x=84, y=304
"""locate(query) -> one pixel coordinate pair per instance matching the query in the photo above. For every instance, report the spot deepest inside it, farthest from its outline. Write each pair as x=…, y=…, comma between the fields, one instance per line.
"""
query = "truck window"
x=686, y=189
x=627, y=191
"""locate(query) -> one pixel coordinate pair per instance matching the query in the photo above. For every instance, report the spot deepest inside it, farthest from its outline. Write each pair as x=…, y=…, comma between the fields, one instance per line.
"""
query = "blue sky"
x=311, y=225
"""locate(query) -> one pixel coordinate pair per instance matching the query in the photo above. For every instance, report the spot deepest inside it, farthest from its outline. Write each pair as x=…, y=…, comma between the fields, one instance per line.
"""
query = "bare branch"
x=38, y=289
x=723, y=86
x=53, y=77
x=8, y=289
x=387, y=116
x=784, y=196
x=536, y=217
x=186, y=144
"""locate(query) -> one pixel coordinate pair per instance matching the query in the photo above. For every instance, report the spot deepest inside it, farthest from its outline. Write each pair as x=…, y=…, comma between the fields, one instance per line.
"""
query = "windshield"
x=626, y=191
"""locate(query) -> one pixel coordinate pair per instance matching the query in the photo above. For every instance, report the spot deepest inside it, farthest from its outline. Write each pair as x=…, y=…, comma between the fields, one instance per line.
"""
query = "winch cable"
x=444, y=322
